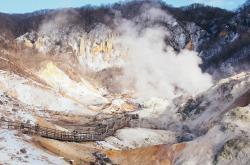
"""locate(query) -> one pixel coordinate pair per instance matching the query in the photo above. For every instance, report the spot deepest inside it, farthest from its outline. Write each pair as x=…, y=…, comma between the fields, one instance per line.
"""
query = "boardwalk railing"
x=95, y=132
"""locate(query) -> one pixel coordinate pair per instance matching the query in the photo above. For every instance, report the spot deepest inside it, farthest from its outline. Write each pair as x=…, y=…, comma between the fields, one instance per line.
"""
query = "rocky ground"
x=62, y=71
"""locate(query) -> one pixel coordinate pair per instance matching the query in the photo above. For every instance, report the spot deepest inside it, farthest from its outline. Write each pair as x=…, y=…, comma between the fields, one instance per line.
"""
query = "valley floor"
x=212, y=127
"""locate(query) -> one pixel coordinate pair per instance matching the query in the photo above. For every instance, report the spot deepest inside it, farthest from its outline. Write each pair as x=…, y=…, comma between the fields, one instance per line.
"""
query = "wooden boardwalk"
x=92, y=132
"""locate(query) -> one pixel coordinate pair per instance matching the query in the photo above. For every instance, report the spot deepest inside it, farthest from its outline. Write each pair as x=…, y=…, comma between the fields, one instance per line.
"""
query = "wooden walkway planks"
x=95, y=132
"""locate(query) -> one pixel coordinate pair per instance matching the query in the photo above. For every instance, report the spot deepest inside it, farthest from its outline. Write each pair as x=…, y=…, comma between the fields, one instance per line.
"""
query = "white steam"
x=152, y=69
x=155, y=69
x=57, y=20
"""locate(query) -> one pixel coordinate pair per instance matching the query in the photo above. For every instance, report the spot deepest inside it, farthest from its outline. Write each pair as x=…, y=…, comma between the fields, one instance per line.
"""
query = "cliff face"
x=94, y=50
x=221, y=37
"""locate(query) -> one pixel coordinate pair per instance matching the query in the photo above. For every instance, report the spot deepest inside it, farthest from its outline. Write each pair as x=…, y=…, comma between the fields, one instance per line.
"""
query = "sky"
x=24, y=6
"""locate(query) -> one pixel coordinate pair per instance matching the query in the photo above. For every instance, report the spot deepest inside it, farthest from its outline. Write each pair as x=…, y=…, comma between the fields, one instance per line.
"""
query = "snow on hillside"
x=83, y=92
x=29, y=93
x=19, y=150
x=128, y=138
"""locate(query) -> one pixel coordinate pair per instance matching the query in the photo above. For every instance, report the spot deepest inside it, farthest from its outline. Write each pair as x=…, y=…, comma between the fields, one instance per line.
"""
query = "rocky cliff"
x=221, y=37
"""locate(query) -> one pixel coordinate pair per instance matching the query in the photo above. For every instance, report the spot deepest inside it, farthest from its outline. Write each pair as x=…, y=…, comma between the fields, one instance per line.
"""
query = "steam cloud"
x=152, y=69
x=57, y=20
x=155, y=69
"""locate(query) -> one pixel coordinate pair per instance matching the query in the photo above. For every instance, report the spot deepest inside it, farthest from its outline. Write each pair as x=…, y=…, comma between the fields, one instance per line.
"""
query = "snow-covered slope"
x=17, y=149
x=28, y=92
x=82, y=91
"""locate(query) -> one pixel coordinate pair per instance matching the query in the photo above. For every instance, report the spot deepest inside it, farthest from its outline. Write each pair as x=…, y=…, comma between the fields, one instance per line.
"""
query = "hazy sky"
x=22, y=6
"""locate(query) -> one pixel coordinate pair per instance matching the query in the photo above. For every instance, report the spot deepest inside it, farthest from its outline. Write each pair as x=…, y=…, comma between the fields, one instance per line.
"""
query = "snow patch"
x=139, y=137
x=16, y=151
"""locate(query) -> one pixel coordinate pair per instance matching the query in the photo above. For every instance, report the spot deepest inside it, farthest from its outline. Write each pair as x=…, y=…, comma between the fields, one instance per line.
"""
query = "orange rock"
x=159, y=154
x=189, y=45
x=223, y=34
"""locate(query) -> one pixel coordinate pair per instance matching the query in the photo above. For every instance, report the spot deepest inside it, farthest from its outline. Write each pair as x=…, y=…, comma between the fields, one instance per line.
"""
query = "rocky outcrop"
x=98, y=54
x=160, y=154
x=95, y=50
x=208, y=107
x=235, y=151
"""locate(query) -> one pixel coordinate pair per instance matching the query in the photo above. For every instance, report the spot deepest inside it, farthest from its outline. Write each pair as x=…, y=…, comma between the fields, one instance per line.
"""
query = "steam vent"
x=139, y=82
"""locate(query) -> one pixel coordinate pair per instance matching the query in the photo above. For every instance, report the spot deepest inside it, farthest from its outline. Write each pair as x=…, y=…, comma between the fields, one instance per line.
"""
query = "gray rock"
x=185, y=137
x=235, y=151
